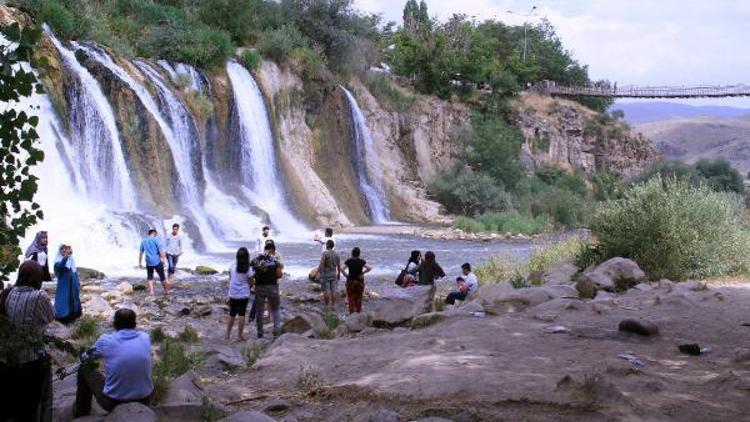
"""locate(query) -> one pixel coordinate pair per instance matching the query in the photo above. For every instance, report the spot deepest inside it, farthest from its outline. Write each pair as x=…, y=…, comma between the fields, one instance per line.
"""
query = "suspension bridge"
x=630, y=91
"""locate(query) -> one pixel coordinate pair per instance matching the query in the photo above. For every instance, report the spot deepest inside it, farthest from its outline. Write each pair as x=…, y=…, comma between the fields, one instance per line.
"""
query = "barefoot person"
x=354, y=269
x=324, y=240
x=67, y=299
x=173, y=249
x=127, y=365
x=268, y=270
x=26, y=379
x=154, y=251
x=466, y=284
x=37, y=251
x=330, y=273
x=240, y=277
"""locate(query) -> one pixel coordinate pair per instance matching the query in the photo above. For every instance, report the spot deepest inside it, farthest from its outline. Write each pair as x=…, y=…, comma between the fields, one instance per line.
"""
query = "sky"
x=638, y=42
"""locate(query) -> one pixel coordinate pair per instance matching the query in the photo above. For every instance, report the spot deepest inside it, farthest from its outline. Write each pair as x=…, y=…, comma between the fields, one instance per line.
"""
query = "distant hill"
x=638, y=113
x=689, y=139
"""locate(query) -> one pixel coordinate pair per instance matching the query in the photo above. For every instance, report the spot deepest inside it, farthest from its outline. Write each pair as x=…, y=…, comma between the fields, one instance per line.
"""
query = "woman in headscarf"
x=67, y=300
x=37, y=251
x=28, y=382
x=429, y=270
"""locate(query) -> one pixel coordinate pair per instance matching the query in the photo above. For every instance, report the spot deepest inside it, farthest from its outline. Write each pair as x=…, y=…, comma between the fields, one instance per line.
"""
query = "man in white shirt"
x=173, y=249
x=260, y=243
x=324, y=240
x=466, y=284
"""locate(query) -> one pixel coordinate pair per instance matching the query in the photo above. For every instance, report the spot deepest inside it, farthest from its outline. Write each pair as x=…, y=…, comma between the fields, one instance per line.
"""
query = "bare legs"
x=240, y=327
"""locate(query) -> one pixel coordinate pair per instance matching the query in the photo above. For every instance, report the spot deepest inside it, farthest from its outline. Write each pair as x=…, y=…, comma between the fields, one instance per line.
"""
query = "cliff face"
x=564, y=134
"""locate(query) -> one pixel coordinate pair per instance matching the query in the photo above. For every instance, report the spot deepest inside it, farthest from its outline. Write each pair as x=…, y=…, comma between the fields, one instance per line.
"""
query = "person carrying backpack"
x=268, y=270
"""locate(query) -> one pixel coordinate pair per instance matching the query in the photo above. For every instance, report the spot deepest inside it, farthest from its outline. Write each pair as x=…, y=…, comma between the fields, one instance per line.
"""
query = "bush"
x=279, y=43
x=675, y=230
x=495, y=150
x=189, y=335
x=63, y=22
x=607, y=186
x=306, y=62
x=507, y=222
x=463, y=191
x=86, y=328
x=157, y=335
x=720, y=176
x=173, y=361
x=388, y=93
x=251, y=59
x=564, y=208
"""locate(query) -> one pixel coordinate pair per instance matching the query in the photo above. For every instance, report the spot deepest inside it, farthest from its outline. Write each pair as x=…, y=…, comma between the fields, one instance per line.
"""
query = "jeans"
x=159, y=270
x=91, y=383
x=172, y=263
x=270, y=293
x=454, y=296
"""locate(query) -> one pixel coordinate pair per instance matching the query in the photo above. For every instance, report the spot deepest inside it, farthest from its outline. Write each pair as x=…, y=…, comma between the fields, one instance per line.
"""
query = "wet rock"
x=97, y=307
x=112, y=295
x=90, y=274
x=644, y=328
x=586, y=289
x=248, y=416
x=131, y=412
x=397, y=305
x=125, y=288
x=184, y=400
x=205, y=270
x=304, y=322
x=616, y=274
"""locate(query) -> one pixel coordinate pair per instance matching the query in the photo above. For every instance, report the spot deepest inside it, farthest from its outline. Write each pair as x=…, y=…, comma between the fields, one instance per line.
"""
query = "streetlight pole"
x=525, y=28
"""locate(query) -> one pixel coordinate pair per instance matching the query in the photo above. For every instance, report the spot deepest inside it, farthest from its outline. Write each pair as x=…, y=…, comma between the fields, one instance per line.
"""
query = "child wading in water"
x=354, y=269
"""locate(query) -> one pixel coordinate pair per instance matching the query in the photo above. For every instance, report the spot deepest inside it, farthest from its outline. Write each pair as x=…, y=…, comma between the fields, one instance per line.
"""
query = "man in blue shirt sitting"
x=127, y=363
x=155, y=256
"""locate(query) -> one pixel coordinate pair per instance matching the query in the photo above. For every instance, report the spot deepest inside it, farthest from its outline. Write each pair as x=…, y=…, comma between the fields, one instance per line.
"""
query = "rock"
x=204, y=270
x=560, y=290
x=741, y=355
x=125, y=288
x=129, y=305
x=616, y=274
x=560, y=273
x=398, y=306
x=97, y=307
x=535, y=278
x=425, y=320
x=131, y=412
x=586, y=289
x=560, y=305
x=203, y=311
x=494, y=292
x=112, y=295
x=139, y=287
x=473, y=306
x=531, y=296
x=222, y=357
x=644, y=328
x=690, y=349
x=304, y=322
x=61, y=331
x=381, y=415
x=184, y=400
x=92, y=288
x=277, y=406
x=357, y=322
x=248, y=416
x=90, y=274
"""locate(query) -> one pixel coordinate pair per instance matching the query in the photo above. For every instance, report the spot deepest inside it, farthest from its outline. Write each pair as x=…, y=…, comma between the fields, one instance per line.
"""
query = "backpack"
x=267, y=267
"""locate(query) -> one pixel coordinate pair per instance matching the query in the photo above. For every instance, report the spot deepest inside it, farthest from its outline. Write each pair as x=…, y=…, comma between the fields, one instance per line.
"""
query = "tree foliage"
x=717, y=174
x=19, y=149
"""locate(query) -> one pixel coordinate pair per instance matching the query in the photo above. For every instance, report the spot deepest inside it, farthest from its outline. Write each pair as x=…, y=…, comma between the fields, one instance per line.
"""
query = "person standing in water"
x=37, y=251
x=260, y=243
x=268, y=270
x=173, y=249
x=330, y=273
x=354, y=269
x=240, y=277
x=324, y=240
x=67, y=299
x=155, y=257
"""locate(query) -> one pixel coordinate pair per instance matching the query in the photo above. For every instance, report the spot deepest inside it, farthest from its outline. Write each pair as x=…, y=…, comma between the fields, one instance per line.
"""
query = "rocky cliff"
x=564, y=134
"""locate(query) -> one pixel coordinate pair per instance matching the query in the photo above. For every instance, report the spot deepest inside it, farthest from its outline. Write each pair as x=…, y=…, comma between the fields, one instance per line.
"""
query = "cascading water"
x=224, y=212
x=101, y=162
x=260, y=177
x=366, y=164
x=197, y=82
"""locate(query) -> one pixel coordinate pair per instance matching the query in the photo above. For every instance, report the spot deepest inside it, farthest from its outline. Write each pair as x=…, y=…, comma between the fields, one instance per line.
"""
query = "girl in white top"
x=240, y=276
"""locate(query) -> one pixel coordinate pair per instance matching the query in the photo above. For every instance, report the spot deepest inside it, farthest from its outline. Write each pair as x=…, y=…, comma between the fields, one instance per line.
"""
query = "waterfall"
x=260, y=176
x=197, y=83
x=366, y=164
x=101, y=163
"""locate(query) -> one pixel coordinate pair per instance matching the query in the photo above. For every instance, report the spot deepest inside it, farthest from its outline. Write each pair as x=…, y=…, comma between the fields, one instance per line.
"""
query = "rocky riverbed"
x=540, y=353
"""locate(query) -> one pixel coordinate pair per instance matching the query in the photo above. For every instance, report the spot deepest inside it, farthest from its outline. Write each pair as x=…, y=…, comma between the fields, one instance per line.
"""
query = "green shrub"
x=675, y=230
x=332, y=320
x=189, y=335
x=720, y=176
x=463, y=191
x=61, y=20
x=389, y=94
x=607, y=186
x=507, y=222
x=172, y=361
x=563, y=207
x=252, y=354
x=251, y=59
x=588, y=254
x=279, y=43
x=306, y=62
x=157, y=335
x=496, y=269
x=495, y=150
x=86, y=328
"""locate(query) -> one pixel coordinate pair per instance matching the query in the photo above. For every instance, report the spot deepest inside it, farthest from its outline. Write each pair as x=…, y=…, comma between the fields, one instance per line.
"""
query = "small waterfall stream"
x=366, y=164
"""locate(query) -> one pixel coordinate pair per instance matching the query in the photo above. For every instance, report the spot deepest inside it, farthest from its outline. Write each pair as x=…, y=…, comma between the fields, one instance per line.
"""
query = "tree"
x=18, y=145
x=495, y=150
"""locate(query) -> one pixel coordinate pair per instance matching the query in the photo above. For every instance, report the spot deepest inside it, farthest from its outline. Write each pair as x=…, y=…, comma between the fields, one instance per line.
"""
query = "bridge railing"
x=551, y=88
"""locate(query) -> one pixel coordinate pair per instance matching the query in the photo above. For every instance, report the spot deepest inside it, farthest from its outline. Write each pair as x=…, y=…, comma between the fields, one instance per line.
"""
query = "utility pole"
x=525, y=28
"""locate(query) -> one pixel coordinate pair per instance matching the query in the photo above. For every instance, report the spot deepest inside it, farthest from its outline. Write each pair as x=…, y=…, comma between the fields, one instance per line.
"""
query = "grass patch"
x=503, y=222
x=438, y=304
x=209, y=412
x=390, y=95
x=189, y=335
x=310, y=382
x=86, y=330
x=252, y=354
x=157, y=335
x=332, y=320
x=173, y=360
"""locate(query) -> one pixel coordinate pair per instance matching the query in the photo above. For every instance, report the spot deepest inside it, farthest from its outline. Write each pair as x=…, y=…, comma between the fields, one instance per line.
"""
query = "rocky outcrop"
x=564, y=134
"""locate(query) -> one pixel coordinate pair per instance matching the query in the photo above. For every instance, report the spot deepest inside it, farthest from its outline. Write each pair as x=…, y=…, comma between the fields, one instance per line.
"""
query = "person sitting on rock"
x=466, y=284
x=127, y=364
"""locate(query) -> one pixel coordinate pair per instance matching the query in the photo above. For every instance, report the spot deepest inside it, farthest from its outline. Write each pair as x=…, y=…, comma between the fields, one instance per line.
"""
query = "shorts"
x=172, y=263
x=159, y=270
x=329, y=285
x=238, y=306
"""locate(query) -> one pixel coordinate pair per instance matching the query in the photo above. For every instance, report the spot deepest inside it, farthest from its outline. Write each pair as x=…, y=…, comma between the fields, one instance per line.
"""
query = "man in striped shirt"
x=29, y=382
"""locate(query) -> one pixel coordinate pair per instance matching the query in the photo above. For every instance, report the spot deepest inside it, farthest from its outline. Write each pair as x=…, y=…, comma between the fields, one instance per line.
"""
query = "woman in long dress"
x=37, y=251
x=67, y=299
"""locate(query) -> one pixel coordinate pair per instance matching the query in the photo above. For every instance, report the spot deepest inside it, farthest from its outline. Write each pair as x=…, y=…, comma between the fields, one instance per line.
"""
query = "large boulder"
x=125, y=288
x=184, y=400
x=586, y=288
x=205, y=270
x=248, y=416
x=357, y=322
x=131, y=412
x=397, y=306
x=560, y=273
x=494, y=292
x=89, y=274
x=97, y=307
x=304, y=322
x=616, y=274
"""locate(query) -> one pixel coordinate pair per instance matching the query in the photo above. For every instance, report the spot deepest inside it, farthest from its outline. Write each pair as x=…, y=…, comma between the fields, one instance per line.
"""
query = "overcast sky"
x=658, y=42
